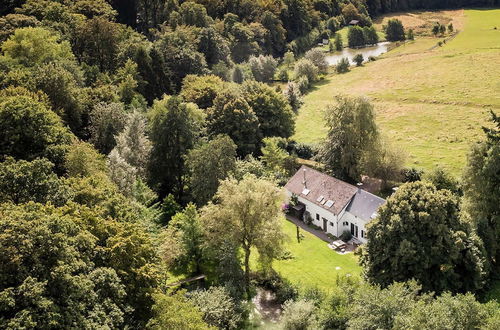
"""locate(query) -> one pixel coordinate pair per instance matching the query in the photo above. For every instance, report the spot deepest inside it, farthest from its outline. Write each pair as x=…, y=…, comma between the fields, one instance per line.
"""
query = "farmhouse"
x=332, y=204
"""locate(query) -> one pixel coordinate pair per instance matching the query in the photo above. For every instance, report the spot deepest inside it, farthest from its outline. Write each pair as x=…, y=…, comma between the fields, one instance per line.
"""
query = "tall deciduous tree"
x=106, y=122
x=174, y=128
x=209, y=164
x=394, y=31
x=407, y=239
x=351, y=132
x=248, y=214
x=481, y=184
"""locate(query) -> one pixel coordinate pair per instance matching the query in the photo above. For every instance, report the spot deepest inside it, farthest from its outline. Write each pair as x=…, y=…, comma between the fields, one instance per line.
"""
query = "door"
x=354, y=230
x=325, y=223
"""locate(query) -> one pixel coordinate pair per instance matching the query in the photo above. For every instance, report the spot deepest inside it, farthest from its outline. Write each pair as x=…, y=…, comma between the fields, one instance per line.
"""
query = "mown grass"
x=313, y=264
x=431, y=102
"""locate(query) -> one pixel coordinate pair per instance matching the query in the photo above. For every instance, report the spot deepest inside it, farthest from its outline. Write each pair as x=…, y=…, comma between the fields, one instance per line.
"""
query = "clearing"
x=431, y=103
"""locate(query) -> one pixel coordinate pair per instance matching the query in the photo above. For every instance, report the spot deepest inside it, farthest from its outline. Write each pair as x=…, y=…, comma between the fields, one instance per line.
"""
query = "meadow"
x=430, y=101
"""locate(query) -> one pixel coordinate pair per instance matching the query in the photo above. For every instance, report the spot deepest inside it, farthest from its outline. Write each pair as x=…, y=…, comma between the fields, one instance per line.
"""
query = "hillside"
x=432, y=102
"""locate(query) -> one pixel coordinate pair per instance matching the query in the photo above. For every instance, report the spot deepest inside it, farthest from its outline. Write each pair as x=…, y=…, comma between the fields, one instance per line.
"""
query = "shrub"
x=306, y=68
x=343, y=65
x=371, y=36
x=293, y=96
x=282, y=288
x=372, y=58
x=263, y=67
x=412, y=174
x=303, y=84
x=283, y=75
x=299, y=315
x=346, y=235
x=410, y=36
x=302, y=150
x=317, y=57
x=358, y=59
x=339, y=45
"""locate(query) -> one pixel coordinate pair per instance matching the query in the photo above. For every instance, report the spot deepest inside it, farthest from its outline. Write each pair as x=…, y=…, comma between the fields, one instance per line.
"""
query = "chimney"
x=359, y=184
x=305, y=181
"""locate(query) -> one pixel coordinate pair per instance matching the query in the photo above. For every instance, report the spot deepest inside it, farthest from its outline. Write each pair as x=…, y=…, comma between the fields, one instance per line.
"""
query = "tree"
x=385, y=161
x=306, y=68
x=175, y=127
x=293, y=96
x=263, y=67
x=339, y=45
x=481, y=195
x=275, y=37
x=29, y=129
x=442, y=179
x=436, y=28
x=450, y=28
x=289, y=60
x=343, y=65
x=214, y=47
x=22, y=181
x=218, y=307
x=274, y=157
x=358, y=59
x=394, y=31
x=317, y=56
x=201, y=90
x=209, y=164
x=175, y=311
x=184, y=235
x=231, y=115
x=50, y=274
x=406, y=241
x=237, y=75
x=351, y=132
x=275, y=115
x=371, y=36
x=11, y=22
x=247, y=214
x=411, y=35
x=106, y=122
x=32, y=46
x=356, y=37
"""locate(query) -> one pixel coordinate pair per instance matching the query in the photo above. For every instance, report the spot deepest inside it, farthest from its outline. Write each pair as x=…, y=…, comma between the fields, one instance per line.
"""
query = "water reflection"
x=378, y=49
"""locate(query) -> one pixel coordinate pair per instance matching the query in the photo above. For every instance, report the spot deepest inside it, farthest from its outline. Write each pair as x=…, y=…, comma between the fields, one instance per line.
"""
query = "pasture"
x=431, y=102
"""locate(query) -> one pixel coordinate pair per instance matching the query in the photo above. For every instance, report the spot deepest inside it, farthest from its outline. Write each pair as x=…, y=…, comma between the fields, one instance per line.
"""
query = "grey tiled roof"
x=364, y=205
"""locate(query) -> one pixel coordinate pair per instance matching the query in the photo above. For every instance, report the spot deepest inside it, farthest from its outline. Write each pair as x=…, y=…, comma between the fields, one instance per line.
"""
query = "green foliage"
x=370, y=34
x=201, y=90
x=233, y=116
x=82, y=160
x=263, y=67
x=22, y=181
x=407, y=238
x=275, y=115
x=300, y=314
x=339, y=44
x=289, y=60
x=209, y=164
x=293, y=96
x=306, y=68
x=351, y=133
x=175, y=127
x=442, y=179
x=356, y=37
x=385, y=161
x=358, y=59
x=276, y=158
x=11, y=22
x=247, y=215
x=29, y=129
x=175, y=311
x=343, y=65
x=169, y=208
x=182, y=242
x=32, y=46
x=317, y=57
x=106, y=122
x=481, y=194
x=218, y=307
x=394, y=31
x=410, y=36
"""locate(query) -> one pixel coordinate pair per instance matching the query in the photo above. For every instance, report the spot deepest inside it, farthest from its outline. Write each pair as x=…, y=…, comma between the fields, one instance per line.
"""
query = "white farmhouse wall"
x=350, y=218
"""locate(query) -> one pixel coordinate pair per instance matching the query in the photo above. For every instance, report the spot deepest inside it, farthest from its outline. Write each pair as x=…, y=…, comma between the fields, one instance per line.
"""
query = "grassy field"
x=432, y=103
x=313, y=263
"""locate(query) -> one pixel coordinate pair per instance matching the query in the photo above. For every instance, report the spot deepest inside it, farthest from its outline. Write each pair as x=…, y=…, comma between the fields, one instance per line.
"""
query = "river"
x=378, y=49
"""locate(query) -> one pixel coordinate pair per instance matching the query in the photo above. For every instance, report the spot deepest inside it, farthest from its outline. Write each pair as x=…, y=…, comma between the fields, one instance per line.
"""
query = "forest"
x=146, y=142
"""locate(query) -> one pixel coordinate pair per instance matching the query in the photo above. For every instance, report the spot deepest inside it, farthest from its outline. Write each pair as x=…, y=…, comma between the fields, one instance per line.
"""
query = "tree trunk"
x=247, y=272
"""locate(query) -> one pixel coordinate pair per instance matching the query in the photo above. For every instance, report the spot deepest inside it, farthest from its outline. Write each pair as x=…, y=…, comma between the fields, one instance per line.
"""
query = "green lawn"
x=313, y=263
x=432, y=103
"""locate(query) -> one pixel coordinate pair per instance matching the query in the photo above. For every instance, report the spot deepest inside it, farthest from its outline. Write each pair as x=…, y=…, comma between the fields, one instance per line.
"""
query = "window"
x=345, y=223
x=362, y=234
x=331, y=223
x=317, y=216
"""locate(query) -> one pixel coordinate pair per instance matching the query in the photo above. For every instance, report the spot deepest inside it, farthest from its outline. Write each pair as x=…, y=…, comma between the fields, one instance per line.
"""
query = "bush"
x=371, y=36
x=346, y=235
x=412, y=174
x=339, y=44
x=306, y=68
x=299, y=315
x=372, y=58
x=317, y=57
x=293, y=96
x=283, y=75
x=263, y=67
x=303, y=85
x=343, y=65
x=359, y=59
x=282, y=288
x=410, y=36
x=302, y=150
